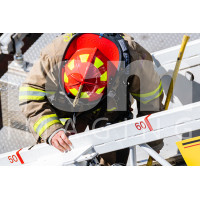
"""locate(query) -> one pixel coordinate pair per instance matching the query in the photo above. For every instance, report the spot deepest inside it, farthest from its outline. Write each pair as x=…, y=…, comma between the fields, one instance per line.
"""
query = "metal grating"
x=13, y=139
x=10, y=82
x=157, y=41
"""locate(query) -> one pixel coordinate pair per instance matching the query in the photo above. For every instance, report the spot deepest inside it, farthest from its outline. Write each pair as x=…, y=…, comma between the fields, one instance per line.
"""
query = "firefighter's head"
x=91, y=61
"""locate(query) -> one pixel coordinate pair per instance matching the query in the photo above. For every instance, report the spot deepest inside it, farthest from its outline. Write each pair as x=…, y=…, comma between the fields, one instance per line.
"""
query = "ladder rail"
x=121, y=135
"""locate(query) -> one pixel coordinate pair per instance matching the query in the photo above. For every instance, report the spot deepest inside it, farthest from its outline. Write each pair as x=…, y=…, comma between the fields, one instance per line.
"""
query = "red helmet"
x=91, y=61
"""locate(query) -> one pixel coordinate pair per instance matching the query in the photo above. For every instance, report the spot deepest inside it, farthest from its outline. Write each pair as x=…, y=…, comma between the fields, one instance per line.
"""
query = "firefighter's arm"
x=150, y=101
x=144, y=83
x=42, y=118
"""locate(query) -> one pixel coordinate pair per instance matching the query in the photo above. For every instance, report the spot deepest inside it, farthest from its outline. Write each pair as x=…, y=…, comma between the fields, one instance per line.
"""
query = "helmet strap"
x=76, y=100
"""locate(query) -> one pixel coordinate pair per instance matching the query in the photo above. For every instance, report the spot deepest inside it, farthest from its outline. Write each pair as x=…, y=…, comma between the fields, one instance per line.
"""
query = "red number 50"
x=12, y=159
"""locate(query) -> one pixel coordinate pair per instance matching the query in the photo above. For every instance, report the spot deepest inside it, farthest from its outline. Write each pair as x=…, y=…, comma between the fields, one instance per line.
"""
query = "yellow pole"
x=173, y=81
x=178, y=63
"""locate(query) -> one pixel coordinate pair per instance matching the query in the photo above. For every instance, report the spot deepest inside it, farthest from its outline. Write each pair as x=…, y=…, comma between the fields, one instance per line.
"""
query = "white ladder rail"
x=119, y=136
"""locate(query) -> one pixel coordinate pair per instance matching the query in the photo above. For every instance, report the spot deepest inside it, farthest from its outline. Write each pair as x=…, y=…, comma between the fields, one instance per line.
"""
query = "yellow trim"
x=103, y=77
x=47, y=125
x=114, y=108
x=65, y=78
x=31, y=98
x=71, y=65
x=74, y=91
x=84, y=95
x=150, y=93
x=98, y=63
x=26, y=89
x=100, y=90
x=42, y=119
x=63, y=120
x=145, y=102
x=84, y=58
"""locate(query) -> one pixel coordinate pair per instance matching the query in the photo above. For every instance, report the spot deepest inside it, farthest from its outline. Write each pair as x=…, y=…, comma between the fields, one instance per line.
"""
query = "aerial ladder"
x=131, y=133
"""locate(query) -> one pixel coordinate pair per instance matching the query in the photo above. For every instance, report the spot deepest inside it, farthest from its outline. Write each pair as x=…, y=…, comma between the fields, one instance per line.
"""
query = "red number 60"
x=140, y=126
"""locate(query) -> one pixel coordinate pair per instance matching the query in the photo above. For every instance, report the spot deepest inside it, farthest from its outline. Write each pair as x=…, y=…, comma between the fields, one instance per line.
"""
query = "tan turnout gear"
x=45, y=119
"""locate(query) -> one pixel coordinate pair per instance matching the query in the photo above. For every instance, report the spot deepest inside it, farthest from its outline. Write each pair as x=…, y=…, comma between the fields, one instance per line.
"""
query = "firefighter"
x=88, y=80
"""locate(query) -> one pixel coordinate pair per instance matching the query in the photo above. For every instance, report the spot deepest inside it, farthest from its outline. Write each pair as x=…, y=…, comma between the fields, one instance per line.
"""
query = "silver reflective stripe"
x=44, y=122
x=145, y=100
x=32, y=93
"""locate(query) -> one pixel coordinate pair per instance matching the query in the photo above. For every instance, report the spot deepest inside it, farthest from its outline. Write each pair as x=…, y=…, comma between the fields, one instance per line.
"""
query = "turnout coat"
x=45, y=118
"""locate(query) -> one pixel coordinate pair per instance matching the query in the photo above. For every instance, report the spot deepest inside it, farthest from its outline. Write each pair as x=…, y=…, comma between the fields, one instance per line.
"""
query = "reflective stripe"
x=65, y=78
x=98, y=63
x=74, y=91
x=109, y=110
x=100, y=90
x=31, y=98
x=103, y=77
x=45, y=122
x=150, y=93
x=98, y=109
x=63, y=120
x=84, y=95
x=30, y=93
x=71, y=65
x=159, y=94
x=30, y=89
x=84, y=57
x=145, y=98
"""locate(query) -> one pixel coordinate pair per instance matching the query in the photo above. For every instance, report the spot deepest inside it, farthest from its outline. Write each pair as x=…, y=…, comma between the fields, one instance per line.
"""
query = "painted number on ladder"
x=13, y=159
x=16, y=158
x=140, y=126
x=143, y=125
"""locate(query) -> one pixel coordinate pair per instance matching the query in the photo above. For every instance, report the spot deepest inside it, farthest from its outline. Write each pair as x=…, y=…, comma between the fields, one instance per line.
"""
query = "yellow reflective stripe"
x=145, y=98
x=114, y=108
x=145, y=102
x=98, y=63
x=150, y=93
x=47, y=125
x=30, y=93
x=71, y=65
x=63, y=120
x=42, y=119
x=26, y=89
x=37, y=98
x=84, y=58
x=103, y=77
x=95, y=111
x=84, y=95
x=100, y=90
x=74, y=91
x=65, y=78
x=98, y=109
x=45, y=122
